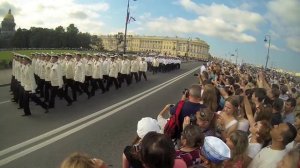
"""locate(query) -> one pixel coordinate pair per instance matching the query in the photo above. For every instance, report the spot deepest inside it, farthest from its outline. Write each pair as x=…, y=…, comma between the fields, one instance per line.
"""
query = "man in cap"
x=88, y=66
x=142, y=69
x=155, y=65
x=113, y=74
x=125, y=71
x=47, y=68
x=97, y=75
x=134, y=68
x=56, y=80
x=29, y=84
x=105, y=64
x=79, y=76
x=69, y=69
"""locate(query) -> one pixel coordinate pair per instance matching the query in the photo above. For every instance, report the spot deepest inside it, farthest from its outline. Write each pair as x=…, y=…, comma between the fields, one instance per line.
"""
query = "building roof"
x=9, y=16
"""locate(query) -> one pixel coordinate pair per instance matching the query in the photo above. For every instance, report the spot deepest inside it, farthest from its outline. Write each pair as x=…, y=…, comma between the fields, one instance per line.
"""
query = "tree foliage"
x=59, y=37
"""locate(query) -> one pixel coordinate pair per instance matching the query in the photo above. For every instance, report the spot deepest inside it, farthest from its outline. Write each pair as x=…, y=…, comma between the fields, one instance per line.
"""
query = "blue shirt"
x=290, y=118
x=188, y=109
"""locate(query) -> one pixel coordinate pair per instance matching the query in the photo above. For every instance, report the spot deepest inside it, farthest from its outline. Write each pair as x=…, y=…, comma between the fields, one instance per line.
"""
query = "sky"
x=230, y=27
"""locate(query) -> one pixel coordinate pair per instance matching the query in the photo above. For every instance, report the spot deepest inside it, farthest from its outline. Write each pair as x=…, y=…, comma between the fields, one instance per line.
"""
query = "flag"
x=131, y=19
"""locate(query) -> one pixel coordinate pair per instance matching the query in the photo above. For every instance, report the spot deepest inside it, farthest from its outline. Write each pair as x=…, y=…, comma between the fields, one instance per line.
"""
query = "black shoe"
x=26, y=115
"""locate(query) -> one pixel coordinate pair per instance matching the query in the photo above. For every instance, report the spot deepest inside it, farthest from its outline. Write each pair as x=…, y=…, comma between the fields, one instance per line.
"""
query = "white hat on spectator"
x=215, y=150
x=146, y=125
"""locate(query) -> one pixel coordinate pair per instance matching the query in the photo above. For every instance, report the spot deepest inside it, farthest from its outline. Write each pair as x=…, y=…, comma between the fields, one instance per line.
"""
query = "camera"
x=196, y=74
x=193, y=119
x=186, y=92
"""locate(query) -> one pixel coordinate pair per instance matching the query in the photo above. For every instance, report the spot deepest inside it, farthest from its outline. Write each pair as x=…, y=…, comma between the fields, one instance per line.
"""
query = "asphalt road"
x=101, y=126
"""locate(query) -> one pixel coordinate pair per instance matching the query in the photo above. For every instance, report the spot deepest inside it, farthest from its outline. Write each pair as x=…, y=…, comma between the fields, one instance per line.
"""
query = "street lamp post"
x=268, y=55
x=126, y=23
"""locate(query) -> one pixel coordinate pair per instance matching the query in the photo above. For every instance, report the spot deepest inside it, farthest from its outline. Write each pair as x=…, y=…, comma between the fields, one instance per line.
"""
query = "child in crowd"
x=191, y=140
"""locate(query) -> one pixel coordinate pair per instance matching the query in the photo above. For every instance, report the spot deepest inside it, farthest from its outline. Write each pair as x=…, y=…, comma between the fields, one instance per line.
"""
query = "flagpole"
x=126, y=23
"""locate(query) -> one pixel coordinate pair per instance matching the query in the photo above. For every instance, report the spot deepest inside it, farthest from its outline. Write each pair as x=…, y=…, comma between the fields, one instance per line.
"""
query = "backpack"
x=172, y=127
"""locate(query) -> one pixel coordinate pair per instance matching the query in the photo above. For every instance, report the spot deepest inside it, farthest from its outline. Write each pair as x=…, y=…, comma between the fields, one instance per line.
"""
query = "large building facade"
x=181, y=47
x=8, y=24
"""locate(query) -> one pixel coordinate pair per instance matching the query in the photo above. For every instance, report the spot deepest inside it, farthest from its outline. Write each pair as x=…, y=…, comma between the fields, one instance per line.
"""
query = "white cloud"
x=284, y=18
x=217, y=20
x=50, y=14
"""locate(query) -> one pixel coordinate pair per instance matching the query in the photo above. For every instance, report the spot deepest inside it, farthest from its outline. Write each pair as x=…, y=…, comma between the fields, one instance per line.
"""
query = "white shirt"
x=267, y=158
x=47, y=70
x=79, y=74
x=69, y=69
x=113, y=70
x=28, y=80
x=155, y=62
x=97, y=70
x=253, y=149
x=56, y=78
x=105, y=67
x=134, y=66
x=143, y=66
x=88, y=68
x=125, y=67
x=203, y=68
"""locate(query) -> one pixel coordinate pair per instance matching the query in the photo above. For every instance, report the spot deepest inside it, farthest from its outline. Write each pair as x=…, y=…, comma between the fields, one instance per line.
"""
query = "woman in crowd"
x=238, y=143
x=79, y=160
x=191, y=140
x=131, y=157
x=209, y=97
x=227, y=122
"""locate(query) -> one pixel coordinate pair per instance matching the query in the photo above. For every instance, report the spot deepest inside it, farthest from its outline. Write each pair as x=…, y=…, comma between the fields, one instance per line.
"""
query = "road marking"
x=7, y=101
x=62, y=128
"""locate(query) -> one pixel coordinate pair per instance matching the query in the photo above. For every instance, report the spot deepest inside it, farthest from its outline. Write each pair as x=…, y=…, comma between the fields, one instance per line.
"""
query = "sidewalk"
x=5, y=77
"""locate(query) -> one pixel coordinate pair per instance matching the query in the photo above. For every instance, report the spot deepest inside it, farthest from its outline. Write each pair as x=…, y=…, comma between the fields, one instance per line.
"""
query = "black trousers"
x=27, y=96
x=125, y=77
x=41, y=87
x=96, y=84
x=88, y=81
x=110, y=81
x=54, y=91
x=47, y=90
x=70, y=83
x=136, y=77
x=144, y=75
x=155, y=69
x=21, y=96
x=81, y=86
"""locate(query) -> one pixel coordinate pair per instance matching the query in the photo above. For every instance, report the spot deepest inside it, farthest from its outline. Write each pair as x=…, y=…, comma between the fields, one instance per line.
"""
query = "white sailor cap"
x=215, y=150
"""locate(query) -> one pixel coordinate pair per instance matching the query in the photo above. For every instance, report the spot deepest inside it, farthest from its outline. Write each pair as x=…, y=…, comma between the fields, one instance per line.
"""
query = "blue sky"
x=226, y=25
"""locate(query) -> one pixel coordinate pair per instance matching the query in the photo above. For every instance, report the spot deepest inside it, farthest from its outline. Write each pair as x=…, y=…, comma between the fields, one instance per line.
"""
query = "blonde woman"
x=79, y=160
x=227, y=118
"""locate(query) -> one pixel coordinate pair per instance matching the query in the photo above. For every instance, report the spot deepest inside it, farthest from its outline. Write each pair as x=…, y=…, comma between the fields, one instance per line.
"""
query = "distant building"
x=8, y=24
x=174, y=46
